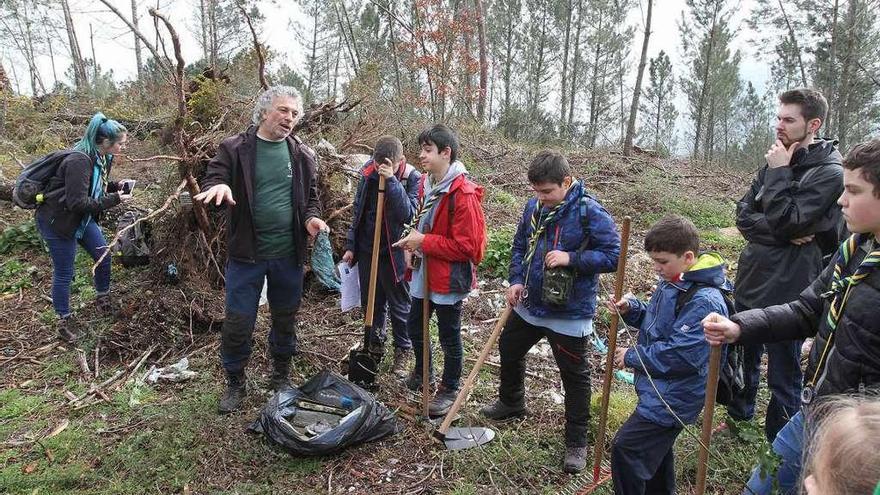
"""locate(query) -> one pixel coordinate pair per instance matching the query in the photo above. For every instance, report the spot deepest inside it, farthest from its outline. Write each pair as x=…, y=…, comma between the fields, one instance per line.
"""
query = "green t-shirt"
x=273, y=201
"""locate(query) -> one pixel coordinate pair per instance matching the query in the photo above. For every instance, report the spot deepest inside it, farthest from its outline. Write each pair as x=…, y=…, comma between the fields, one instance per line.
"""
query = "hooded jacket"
x=584, y=230
x=401, y=202
x=671, y=348
x=782, y=204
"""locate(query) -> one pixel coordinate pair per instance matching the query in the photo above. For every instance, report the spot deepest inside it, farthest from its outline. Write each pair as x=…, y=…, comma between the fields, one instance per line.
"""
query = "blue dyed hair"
x=100, y=129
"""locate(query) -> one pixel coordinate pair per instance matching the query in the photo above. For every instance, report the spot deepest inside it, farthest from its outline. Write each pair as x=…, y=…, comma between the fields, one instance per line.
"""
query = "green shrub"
x=497, y=259
x=20, y=237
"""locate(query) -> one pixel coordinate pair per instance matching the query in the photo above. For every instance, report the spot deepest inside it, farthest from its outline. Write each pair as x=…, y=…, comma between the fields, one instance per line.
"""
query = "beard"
x=788, y=139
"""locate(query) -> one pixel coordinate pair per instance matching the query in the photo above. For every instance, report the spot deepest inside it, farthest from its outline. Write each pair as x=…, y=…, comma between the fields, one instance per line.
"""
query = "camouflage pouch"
x=557, y=285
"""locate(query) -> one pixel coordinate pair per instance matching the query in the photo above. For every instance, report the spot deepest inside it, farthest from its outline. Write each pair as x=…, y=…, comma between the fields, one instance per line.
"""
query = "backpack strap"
x=686, y=296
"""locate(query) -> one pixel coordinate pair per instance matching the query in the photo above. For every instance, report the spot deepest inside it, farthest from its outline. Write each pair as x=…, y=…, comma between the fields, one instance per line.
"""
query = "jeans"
x=572, y=358
x=390, y=293
x=449, y=330
x=789, y=445
x=641, y=458
x=244, y=282
x=63, y=253
x=784, y=379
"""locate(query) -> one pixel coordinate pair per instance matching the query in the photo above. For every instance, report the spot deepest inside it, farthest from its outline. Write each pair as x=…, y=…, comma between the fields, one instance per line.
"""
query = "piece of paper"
x=351, y=286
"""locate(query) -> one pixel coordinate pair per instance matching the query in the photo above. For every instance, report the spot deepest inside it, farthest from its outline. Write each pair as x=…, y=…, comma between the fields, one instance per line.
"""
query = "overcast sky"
x=114, y=45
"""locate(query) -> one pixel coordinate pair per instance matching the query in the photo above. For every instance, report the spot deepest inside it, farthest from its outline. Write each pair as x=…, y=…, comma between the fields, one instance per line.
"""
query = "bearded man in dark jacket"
x=267, y=179
x=791, y=222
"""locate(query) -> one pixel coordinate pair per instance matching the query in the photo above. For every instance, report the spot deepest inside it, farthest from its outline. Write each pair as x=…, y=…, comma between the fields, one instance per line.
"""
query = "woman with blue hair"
x=72, y=202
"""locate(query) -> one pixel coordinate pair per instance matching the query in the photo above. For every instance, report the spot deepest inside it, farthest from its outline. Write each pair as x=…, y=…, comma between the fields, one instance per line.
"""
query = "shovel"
x=708, y=413
x=470, y=436
x=374, y=263
x=598, y=476
x=426, y=337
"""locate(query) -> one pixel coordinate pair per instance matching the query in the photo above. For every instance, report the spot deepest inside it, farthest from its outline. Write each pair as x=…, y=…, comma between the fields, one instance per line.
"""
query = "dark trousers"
x=449, y=330
x=641, y=458
x=784, y=379
x=571, y=354
x=244, y=282
x=63, y=253
x=390, y=293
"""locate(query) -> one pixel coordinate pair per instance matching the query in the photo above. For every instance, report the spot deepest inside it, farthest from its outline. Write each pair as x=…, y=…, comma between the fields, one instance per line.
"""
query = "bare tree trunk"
x=258, y=47
x=637, y=91
x=484, y=59
x=137, y=42
x=162, y=62
x=845, y=89
x=794, y=42
x=575, y=68
x=94, y=58
x=832, y=90
x=52, y=59
x=28, y=51
x=704, y=89
x=79, y=71
x=563, y=85
x=203, y=19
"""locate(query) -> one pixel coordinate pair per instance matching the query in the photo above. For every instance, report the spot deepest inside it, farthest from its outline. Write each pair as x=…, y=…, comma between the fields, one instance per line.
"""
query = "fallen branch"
x=153, y=158
x=139, y=220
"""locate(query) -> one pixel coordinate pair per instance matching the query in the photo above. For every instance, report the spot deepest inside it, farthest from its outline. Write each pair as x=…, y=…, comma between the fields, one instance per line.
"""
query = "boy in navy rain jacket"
x=562, y=228
x=670, y=351
x=401, y=200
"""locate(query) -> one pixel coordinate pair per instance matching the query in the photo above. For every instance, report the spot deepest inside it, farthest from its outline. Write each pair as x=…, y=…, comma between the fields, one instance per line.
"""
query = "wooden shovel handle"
x=708, y=413
x=612, y=346
x=426, y=337
x=472, y=377
x=374, y=262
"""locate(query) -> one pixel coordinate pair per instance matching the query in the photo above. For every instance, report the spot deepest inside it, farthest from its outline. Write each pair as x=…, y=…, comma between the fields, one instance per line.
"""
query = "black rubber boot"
x=280, y=380
x=233, y=396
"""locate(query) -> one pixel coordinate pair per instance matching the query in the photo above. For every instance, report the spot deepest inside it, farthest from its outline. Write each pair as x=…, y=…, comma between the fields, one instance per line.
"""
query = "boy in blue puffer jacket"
x=670, y=351
x=564, y=240
x=401, y=201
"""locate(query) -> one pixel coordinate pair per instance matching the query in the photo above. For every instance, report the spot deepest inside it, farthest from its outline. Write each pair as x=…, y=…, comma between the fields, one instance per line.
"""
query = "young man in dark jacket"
x=564, y=234
x=839, y=308
x=401, y=201
x=791, y=223
x=267, y=179
x=671, y=355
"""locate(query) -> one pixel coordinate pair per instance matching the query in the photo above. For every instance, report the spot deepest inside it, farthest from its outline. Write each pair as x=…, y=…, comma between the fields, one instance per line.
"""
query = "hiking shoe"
x=414, y=382
x=280, y=380
x=575, y=459
x=500, y=411
x=233, y=396
x=399, y=365
x=104, y=303
x=68, y=329
x=442, y=401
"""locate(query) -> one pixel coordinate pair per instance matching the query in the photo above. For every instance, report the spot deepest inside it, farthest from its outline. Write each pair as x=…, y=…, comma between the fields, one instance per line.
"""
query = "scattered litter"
x=625, y=376
x=177, y=372
x=599, y=345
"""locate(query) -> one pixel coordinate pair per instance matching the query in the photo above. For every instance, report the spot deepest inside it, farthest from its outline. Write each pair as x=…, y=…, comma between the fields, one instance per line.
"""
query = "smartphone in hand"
x=128, y=186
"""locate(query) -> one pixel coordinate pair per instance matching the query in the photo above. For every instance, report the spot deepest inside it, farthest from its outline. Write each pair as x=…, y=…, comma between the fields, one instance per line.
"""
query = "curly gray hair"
x=264, y=102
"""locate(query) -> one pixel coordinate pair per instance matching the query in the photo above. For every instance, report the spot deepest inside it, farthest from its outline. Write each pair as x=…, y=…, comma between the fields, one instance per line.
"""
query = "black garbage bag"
x=325, y=415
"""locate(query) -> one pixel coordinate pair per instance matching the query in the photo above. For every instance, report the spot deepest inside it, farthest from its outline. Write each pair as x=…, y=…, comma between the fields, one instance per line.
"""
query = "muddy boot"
x=399, y=365
x=442, y=401
x=104, y=304
x=280, y=380
x=68, y=329
x=413, y=382
x=575, y=459
x=233, y=396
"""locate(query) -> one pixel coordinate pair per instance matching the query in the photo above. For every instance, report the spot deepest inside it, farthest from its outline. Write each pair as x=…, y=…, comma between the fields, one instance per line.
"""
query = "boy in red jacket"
x=449, y=231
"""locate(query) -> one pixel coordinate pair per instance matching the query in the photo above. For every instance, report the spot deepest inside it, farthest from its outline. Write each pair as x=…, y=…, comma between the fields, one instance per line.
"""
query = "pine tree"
x=658, y=112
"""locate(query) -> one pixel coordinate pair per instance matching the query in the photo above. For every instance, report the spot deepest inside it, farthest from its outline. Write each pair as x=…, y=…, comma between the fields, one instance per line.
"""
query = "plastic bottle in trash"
x=333, y=398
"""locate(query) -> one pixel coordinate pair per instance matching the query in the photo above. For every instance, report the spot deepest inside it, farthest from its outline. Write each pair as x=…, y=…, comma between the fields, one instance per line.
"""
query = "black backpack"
x=731, y=379
x=132, y=249
x=32, y=181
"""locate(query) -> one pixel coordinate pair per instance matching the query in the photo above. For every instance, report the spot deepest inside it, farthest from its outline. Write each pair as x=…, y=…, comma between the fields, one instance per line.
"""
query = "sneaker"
x=401, y=358
x=414, y=382
x=575, y=459
x=500, y=411
x=68, y=329
x=442, y=401
x=233, y=396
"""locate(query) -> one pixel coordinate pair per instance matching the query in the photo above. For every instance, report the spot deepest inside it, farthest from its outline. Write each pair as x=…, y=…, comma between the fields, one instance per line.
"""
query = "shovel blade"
x=467, y=437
